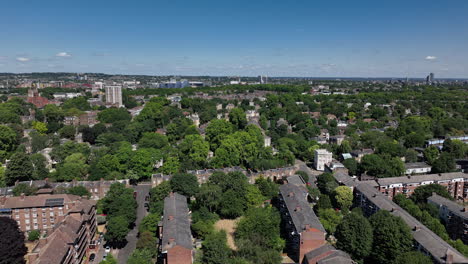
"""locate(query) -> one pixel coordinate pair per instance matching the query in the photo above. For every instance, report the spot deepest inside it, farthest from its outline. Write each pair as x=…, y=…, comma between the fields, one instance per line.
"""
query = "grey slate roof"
x=435, y=245
x=343, y=178
x=176, y=223
x=296, y=180
x=295, y=198
x=414, y=165
x=452, y=206
x=420, y=178
x=336, y=257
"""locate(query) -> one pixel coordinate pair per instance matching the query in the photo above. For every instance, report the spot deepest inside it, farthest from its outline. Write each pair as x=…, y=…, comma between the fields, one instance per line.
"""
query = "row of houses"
x=204, y=175
x=97, y=189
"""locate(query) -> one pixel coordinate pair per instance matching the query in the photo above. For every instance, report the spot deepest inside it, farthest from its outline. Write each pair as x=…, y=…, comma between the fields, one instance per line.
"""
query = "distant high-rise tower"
x=114, y=95
x=430, y=78
x=263, y=79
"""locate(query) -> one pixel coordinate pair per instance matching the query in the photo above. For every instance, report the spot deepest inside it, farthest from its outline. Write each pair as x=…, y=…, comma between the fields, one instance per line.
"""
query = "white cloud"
x=63, y=54
x=431, y=58
x=22, y=59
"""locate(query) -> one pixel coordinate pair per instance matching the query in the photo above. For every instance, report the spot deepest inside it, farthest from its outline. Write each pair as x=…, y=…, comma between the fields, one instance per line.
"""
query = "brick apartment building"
x=70, y=239
x=454, y=181
x=426, y=241
x=453, y=215
x=176, y=243
x=305, y=232
x=40, y=212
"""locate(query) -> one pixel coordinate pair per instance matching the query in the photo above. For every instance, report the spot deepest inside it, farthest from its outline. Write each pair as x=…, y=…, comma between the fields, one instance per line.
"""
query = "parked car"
x=107, y=250
x=92, y=257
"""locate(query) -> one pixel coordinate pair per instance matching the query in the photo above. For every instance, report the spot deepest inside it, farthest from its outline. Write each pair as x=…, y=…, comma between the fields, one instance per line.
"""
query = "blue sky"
x=277, y=38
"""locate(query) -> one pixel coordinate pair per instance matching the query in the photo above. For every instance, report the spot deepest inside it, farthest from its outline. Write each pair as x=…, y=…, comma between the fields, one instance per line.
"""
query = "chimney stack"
x=171, y=217
x=22, y=196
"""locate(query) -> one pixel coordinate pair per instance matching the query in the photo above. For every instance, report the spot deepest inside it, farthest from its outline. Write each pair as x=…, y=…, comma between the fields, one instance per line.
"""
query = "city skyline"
x=344, y=39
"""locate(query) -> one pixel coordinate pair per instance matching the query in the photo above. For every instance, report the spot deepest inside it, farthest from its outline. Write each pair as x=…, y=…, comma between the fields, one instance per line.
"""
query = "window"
x=43, y=215
x=44, y=220
x=51, y=213
x=19, y=223
x=44, y=226
x=35, y=226
x=35, y=221
x=60, y=208
x=28, y=228
x=26, y=209
x=43, y=209
x=60, y=213
x=27, y=221
x=16, y=216
x=26, y=215
x=34, y=215
x=34, y=209
x=16, y=210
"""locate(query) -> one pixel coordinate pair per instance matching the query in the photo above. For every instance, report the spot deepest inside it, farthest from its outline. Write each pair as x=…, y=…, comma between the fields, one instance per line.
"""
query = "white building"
x=114, y=95
x=322, y=157
x=417, y=168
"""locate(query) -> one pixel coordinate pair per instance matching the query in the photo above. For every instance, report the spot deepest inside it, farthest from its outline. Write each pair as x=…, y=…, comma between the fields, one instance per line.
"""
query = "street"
x=123, y=253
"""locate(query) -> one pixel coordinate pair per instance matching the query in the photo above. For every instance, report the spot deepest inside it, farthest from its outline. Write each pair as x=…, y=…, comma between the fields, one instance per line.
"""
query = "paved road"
x=123, y=254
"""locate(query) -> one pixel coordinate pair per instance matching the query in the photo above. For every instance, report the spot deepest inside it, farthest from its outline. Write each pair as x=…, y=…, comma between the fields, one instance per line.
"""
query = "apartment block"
x=455, y=182
x=40, y=212
x=454, y=216
x=176, y=245
x=114, y=95
x=321, y=158
x=426, y=241
x=417, y=168
x=305, y=232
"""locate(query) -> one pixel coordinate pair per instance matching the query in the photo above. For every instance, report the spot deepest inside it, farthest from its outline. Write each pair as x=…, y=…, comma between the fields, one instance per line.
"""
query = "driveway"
x=123, y=254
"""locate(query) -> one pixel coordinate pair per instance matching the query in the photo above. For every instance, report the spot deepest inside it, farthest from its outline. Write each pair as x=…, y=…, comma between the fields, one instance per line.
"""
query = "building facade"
x=114, y=95
x=321, y=158
x=305, y=232
x=453, y=215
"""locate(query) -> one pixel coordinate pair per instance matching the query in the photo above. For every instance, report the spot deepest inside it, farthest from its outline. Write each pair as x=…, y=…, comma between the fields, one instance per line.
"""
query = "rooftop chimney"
x=171, y=217
x=416, y=228
x=298, y=208
x=22, y=196
x=449, y=259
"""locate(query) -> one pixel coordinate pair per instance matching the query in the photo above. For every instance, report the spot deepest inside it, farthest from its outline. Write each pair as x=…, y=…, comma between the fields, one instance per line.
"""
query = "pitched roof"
x=432, y=243
x=421, y=178
x=176, y=222
x=301, y=213
x=452, y=206
x=38, y=201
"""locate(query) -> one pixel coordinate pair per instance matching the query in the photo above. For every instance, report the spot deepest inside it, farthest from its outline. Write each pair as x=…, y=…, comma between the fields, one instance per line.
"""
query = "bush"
x=34, y=235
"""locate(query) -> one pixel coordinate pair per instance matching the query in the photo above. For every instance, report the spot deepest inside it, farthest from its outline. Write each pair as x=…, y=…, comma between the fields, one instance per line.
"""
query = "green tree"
x=217, y=131
x=185, y=184
x=18, y=169
x=8, y=139
x=423, y=192
x=40, y=127
x=12, y=248
x=119, y=201
x=411, y=155
x=146, y=240
x=117, y=229
x=215, y=249
x=34, y=235
x=140, y=256
x=456, y=148
x=445, y=163
x=267, y=187
x=171, y=165
x=430, y=154
x=330, y=219
x=238, y=118
x=67, y=132
x=344, y=197
x=209, y=195
x=392, y=237
x=354, y=235
x=74, y=167
x=25, y=189
x=109, y=260
x=79, y=102
x=262, y=227
x=149, y=223
x=254, y=196
x=2, y=176
x=413, y=257
x=326, y=183
x=195, y=148
x=324, y=202
x=232, y=205
x=79, y=190
x=351, y=165
x=38, y=162
x=153, y=140
x=111, y=115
